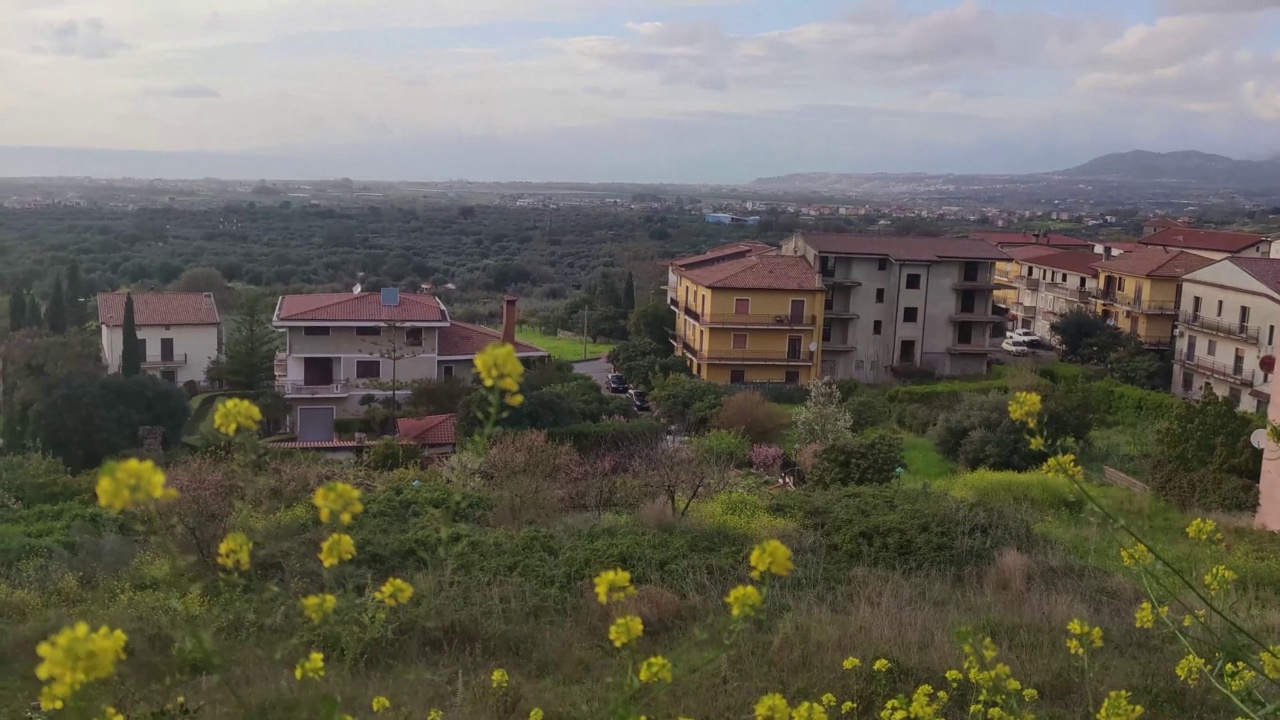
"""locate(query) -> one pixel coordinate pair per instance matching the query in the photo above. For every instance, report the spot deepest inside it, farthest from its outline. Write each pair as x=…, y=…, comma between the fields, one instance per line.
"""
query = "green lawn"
x=561, y=348
x=922, y=463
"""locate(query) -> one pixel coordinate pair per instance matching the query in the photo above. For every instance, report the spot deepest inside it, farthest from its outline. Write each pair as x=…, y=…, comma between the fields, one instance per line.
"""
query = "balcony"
x=983, y=316
x=1233, y=374
x=1023, y=281
x=978, y=283
x=1239, y=331
x=1153, y=307
x=300, y=389
x=673, y=302
x=1080, y=295
x=847, y=281
x=1022, y=310
x=764, y=320
x=760, y=357
x=692, y=314
x=164, y=360
x=970, y=349
x=842, y=314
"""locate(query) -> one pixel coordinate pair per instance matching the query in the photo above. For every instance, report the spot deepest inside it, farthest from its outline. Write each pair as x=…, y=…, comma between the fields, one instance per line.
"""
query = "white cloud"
x=187, y=92
x=87, y=39
x=1219, y=6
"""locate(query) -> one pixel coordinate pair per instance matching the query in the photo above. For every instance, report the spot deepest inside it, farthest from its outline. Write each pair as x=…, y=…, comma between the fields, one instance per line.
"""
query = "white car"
x=1027, y=336
x=1015, y=346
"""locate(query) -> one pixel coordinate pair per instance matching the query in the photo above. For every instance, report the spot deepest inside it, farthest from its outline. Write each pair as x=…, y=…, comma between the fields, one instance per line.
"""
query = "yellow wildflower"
x=1037, y=443
x=1219, y=579
x=535, y=714
x=654, y=669
x=847, y=707
x=744, y=600
x=881, y=665
x=498, y=366
x=1190, y=668
x=851, y=663
x=124, y=484
x=926, y=704
x=1136, y=556
x=380, y=703
x=953, y=677
x=1082, y=636
x=340, y=498
x=233, y=551
x=1145, y=615
x=1030, y=695
x=809, y=711
x=1238, y=676
x=499, y=678
x=828, y=700
x=110, y=713
x=394, y=592
x=318, y=607
x=1025, y=408
x=74, y=656
x=234, y=414
x=613, y=586
x=625, y=629
x=310, y=669
x=337, y=548
x=1118, y=707
x=1270, y=659
x=1204, y=530
x=770, y=556
x=1063, y=465
x=772, y=707
x=435, y=714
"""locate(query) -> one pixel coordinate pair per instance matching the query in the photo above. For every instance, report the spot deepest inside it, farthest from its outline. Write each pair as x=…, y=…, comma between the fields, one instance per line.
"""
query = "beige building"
x=1213, y=244
x=1226, y=332
x=1047, y=284
x=179, y=333
x=904, y=302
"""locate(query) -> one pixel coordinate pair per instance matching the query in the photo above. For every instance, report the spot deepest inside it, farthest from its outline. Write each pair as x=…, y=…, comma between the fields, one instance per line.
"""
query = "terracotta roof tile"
x=905, y=248
x=159, y=308
x=1214, y=240
x=723, y=253
x=757, y=272
x=1264, y=270
x=1074, y=261
x=1155, y=262
x=1010, y=237
x=461, y=339
x=365, y=307
x=430, y=430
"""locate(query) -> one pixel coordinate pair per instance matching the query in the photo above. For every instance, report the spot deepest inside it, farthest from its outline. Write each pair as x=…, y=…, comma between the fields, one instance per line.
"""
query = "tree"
x=248, y=361
x=33, y=311
x=205, y=280
x=822, y=419
x=77, y=310
x=759, y=420
x=1210, y=435
x=687, y=402
x=654, y=322
x=467, y=212
x=55, y=315
x=32, y=365
x=1073, y=331
x=17, y=310
x=645, y=362
x=869, y=458
x=130, y=352
x=629, y=293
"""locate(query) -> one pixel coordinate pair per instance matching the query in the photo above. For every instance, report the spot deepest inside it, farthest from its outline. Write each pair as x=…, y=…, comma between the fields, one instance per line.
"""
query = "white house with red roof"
x=179, y=332
x=341, y=347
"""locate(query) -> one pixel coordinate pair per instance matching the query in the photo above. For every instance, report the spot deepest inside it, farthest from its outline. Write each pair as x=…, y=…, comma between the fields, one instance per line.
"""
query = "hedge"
x=1126, y=405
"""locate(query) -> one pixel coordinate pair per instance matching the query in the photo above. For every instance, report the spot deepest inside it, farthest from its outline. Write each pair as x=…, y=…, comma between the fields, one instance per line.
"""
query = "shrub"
x=745, y=513
x=757, y=419
x=915, y=419
x=822, y=419
x=1202, y=488
x=766, y=457
x=609, y=436
x=390, y=454
x=870, y=458
x=1060, y=373
x=780, y=393
x=1127, y=405
x=867, y=410
x=1034, y=490
x=686, y=401
x=349, y=426
x=978, y=433
x=722, y=448
x=531, y=477
x=32, y=480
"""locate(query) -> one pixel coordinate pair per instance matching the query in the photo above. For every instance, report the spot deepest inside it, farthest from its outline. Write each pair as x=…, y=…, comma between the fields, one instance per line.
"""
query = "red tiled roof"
x=159, y=308
x=365, y=307
x=431, y=430
x=1264, y=270
x=905, y=248
x=1192, y=239
x=1074, y=261
x=1163, y=222
x=1155, y=262
x=466, y=339
x=314, y=444
x=758, y=272
x=724, y=252
x=1001, y=239
x=1025, y=253
x=1124, y=246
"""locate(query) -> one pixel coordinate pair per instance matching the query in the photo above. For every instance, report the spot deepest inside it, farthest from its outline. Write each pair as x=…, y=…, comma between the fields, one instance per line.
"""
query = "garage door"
x=315, y=424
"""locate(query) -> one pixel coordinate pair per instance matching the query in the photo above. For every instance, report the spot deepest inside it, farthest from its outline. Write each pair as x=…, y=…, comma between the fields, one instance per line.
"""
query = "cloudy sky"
x=644, y=90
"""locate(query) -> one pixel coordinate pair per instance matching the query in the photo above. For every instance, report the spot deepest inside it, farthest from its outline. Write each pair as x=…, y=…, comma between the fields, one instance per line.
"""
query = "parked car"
x=617, y=383
x=640, y=401
x=1026, y=336
x=1014, y=346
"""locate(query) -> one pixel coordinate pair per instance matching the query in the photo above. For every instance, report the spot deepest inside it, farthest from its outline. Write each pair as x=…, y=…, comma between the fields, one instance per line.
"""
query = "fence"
x=1113, y=476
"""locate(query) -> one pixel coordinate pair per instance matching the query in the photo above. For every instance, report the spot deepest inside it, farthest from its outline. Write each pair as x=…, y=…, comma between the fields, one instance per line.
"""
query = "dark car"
x=617, y=383
x=640, y=401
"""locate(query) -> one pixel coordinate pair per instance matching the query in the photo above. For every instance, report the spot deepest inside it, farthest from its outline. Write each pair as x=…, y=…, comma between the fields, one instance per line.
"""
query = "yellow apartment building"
x=1140, y=292
x=751, y=320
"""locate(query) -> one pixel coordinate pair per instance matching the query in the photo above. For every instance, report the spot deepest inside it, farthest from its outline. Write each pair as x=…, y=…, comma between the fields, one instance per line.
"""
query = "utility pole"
x=585, y=311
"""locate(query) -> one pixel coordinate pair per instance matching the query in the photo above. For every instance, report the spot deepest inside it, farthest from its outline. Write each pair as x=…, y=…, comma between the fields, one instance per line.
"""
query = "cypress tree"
x=130, y=358
x=33, y=312
x=55, y=315
x=77, y=312
x=629, y=293
x=17, y=310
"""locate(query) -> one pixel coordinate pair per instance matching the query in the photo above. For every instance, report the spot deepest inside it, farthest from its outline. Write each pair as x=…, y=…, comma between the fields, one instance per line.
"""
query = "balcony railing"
x=673, y=302
x=971, y=348
x=1080, y=295
x=174, y=359
x=833, y=280
x=1029, y=283
x=804, y=357
x=1231, y=373
x=1141, y=305
x=692, y=314
x=764, y=320
x=1221, y=327
x=1024, y=310
x=978, y=316
x=295, y=388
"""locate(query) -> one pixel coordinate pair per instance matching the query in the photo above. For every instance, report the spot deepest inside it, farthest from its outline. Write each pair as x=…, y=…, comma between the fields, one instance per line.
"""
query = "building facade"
x=1141, y=292
x=1046, y=284
x=179, y=333
x=723, y=253
x=751, y=320
x=1227, y=331
x=1213, y=244
x=904, y=302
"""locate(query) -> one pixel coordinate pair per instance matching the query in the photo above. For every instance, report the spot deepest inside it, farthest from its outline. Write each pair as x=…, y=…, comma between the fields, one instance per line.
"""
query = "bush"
x=759, y=420
x=1127, y=405
x=868, y=410
x=349, y=426
x=870, y=458
x=979, y=433
x=779, y=393
x=29, y=480
x=766, y=457
x=739, y=512
x=722, y=448
x=687, y=402
x=915, y=419
x=390, y=454
x=1034, y=490
x=822, y=419
x=609, y=436
x=1202, y=489
x=1060, y=373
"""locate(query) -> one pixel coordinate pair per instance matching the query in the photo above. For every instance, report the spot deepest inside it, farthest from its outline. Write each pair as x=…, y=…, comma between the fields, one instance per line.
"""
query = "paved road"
x=598, y=369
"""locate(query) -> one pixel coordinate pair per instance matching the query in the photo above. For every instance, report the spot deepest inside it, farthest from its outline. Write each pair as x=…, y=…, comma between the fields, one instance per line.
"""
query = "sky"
x=715, y=91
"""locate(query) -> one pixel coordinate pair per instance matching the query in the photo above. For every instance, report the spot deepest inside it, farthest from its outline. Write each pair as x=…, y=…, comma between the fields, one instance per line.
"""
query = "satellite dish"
x=813, y=347
x=1259, y=438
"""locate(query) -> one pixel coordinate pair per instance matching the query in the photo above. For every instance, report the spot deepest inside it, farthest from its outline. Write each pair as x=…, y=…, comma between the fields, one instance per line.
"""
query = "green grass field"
x=561, y=348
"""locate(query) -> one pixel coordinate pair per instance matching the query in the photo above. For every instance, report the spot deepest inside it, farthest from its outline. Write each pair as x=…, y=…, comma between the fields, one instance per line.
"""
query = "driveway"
x=598, y=369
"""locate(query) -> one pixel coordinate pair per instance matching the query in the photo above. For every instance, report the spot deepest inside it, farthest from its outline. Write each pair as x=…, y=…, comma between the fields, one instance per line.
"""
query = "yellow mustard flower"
x=1136, y=556
x=953, y=677
x=380, y=703
x=1190, y=668
x=514, y=400
x=771, y=556
x=132, y=482
x=498, y=366
x=828, y=700
x=625, y=629
x=1025, y=408
x=1063, y=465
x=318, y=607
x=1118, y=707
x=851, y=663
x=234, y=414
x=613, y=586
x=1219, y=578
x=110, y=713
x=744, y=601
x=394, y=592
x=1082, y=637
x=881, y=665
x=435, y=714
x=535, y=714
x=310, y=669
x=772, y=707
x=73, y=656
x=337, y=548
x=654, y=669
x=499, y=678
x=1037, y=442
x=847, y=707
x=1030, y=695
x=1238, y=676
x=1145, y=615
x=1270, y=660
x=927, y=704
x=1204, y=530
x=233, y=551
x=340, y=498
x=809, y=711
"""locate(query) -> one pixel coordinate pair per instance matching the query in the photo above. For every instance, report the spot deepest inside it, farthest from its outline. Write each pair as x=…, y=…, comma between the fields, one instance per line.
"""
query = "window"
x=876, y=327
x=913, y=281
x=446, y=371
x=1244, y=319
x=368, y=369
x=1271, y=335
x=739, y=341
x=883, y=264
x=742, y=306
x=1237, y=367
x=910, y=314
x=1263, y=407
x=1196, y=302
x=907, y=352
x=1219, y=308
x=1120, y=284
x=369, y=331
x=826, y=331
x=791, y=377
x=1233, y=397
x=1188, y=381
x=1212, y=350
x=169, y=376
x=413, y=337
x=313, y=330
x=737, y=377
x=879, y=295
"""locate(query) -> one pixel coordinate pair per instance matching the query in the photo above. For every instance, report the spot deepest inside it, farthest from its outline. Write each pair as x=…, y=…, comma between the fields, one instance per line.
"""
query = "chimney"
x=509, y=319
